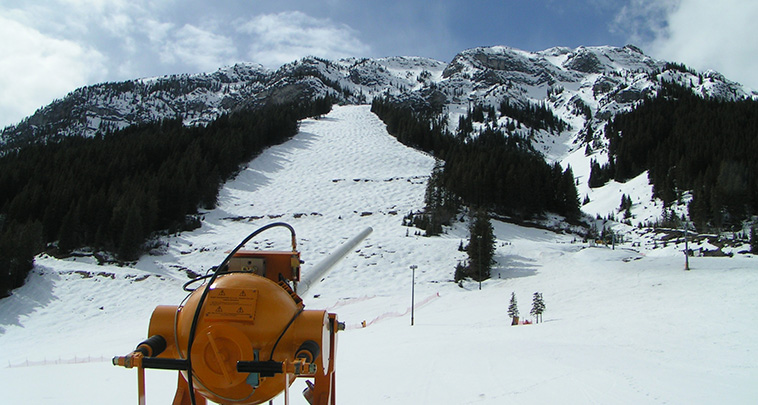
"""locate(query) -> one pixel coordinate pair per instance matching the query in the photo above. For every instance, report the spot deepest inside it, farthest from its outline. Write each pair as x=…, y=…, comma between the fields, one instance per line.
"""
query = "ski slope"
x=621, y=326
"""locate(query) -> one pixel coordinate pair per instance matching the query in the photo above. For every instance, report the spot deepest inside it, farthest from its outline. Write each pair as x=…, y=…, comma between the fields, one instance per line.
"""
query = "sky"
x=51, y=47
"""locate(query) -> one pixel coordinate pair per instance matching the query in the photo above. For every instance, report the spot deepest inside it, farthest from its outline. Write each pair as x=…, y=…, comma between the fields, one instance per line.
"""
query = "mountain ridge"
x=601, y=79
x=557, y=102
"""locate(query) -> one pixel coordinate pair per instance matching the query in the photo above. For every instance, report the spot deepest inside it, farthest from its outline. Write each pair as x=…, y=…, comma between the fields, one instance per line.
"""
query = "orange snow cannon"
x=243, y=336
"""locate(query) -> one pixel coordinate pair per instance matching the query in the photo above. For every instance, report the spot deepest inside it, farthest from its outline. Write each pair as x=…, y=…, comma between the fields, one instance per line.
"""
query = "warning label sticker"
x=231, y=304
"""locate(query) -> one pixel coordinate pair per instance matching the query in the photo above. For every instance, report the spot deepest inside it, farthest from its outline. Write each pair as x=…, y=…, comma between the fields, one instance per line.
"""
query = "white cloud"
x=157, y=31
x=198, y=47
x=50, y=48
x=36, y=68
x=288, y=36
x=643, y=20
x=703, y=34
x=714, y=35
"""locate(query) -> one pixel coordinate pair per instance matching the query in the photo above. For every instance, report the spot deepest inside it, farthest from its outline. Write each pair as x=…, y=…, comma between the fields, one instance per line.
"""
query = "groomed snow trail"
x=340, y=174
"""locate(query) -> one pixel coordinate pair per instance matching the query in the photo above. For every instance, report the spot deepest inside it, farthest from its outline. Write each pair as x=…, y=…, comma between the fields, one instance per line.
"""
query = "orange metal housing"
x=250, y=313
x=270, y=264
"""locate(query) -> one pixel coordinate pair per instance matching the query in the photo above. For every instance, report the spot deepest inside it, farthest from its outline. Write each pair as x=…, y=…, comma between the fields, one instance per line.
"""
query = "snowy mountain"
x=580, y=89
x=201, y=98
x=621, y=326
x=583, y=86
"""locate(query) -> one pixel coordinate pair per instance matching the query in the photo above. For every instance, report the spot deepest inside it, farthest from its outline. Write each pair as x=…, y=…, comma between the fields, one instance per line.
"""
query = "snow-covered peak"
x=607, y=59
x=582, y=86
x=497, y=58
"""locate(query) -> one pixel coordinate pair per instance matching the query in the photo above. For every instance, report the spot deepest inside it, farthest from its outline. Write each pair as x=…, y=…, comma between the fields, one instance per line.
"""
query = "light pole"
x=479, y=262
x=413, y=290
x=686, y=249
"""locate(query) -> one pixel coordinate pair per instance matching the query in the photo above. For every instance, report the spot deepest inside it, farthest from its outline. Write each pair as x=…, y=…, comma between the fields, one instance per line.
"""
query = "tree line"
x=112, y=191
x=688, y=142
x=534, y=116
x=492, y=170
x=537, y=116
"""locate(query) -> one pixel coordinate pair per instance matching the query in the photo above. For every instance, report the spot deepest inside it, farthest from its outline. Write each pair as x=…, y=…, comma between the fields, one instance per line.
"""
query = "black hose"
x=264, y=368
x=164, y=364
x=283, y=332
x=152, y=346
x=191, y=337
x=193, y=281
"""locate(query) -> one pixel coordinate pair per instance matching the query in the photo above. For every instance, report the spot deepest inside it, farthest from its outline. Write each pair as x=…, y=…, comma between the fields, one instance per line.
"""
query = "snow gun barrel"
x=318, y=271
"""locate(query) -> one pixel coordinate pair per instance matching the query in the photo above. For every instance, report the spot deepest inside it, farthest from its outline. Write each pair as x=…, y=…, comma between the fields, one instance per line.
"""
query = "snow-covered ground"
x=621, y=326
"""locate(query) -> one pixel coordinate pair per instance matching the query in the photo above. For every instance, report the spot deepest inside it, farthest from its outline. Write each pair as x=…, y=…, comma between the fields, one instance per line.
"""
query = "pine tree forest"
x=112, y=191
x=494, y=170
x=688, y=142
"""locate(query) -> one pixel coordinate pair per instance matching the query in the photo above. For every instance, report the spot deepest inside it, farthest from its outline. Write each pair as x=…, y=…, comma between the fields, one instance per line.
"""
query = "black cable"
x=187, y=284
x=283, y=332
x=191, y=337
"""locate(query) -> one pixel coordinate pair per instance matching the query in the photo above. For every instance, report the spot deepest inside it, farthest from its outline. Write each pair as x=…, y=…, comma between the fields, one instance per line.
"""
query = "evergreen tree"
x=538, y=306
x=131, y=237
x=599, y=175
x=69, y=232
x=626, y=206
x=461, y=272
x=566, y=197
x=18, y=245
x=440, y=205
x=513, y=308
x=481, y=247
x=672, y=135
x=754, y=240
x=465, y=126
x=477, y=115
x=536, y=116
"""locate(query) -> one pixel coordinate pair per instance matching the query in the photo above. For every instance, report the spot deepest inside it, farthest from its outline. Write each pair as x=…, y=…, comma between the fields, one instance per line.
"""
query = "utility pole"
x=686, y=249
x=479, y=262
x=413, y=290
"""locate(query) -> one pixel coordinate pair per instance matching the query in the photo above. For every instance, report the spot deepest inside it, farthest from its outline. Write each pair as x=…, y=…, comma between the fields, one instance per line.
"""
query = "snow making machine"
x=243, y=336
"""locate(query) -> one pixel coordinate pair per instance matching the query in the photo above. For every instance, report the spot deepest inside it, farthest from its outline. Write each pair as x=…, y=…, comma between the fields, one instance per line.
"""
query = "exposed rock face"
x=585, y=62
x=603, y=85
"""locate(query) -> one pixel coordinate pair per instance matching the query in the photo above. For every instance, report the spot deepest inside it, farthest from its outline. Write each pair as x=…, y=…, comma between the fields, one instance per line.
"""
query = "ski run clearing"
x=623, y=326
